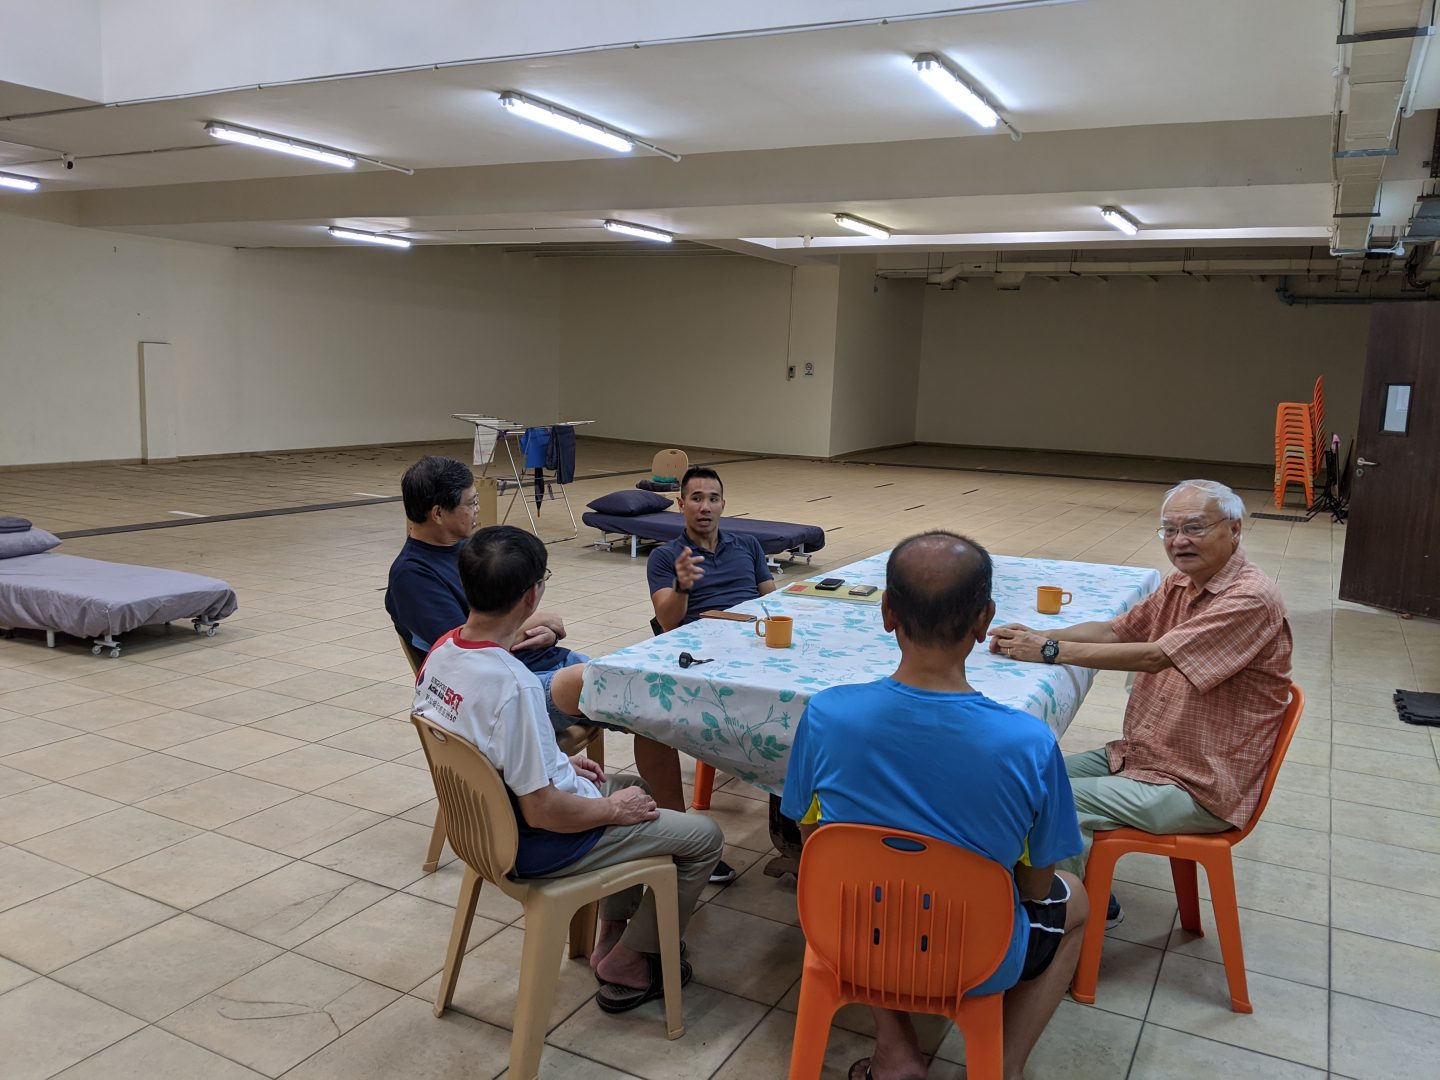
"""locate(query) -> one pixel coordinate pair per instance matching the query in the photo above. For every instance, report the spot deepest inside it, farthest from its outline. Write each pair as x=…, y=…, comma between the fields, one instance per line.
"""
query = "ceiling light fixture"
x=281, y=143
x=1119, y=219
x=576, y=124
x=956, y=89
x=19, y=183
x=629, y=228
x=860, y=225
x=368, y=237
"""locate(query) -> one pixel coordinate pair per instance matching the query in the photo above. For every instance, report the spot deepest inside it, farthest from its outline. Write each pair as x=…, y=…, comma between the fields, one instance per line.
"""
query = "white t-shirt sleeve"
x=520, y=721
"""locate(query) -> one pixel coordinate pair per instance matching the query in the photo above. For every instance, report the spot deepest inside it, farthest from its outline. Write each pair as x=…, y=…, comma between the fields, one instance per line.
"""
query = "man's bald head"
x=938, y=587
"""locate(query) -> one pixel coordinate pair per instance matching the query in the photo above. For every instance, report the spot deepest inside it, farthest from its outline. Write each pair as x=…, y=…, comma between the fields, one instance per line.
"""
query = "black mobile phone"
x=830, y=584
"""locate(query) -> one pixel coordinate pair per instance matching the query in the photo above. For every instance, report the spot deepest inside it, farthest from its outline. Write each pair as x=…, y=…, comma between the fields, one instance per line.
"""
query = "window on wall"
x=1396, y=420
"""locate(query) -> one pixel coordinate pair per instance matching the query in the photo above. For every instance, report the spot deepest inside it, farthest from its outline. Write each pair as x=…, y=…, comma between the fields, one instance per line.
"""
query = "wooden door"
x=1392, y=542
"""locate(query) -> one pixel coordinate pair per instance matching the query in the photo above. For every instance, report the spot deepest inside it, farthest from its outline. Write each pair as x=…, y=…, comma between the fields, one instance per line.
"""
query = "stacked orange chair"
x=900, y=921
x=1295, y=453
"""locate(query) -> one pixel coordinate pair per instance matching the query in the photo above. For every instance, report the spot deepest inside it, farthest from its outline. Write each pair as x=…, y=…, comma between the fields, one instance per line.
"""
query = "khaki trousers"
x=695, y=842
x=1104, y=801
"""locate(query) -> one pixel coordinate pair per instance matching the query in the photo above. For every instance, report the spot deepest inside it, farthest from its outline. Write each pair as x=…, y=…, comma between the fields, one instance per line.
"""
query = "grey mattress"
x=89, y=598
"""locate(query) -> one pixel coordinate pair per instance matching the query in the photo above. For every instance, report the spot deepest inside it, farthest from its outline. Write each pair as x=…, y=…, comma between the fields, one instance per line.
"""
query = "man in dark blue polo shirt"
x=704, y=569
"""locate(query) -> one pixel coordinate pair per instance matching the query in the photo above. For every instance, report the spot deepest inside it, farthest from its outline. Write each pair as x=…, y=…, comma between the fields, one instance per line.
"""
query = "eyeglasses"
x=473, y=504
x=1193, y=529
x=546, y=578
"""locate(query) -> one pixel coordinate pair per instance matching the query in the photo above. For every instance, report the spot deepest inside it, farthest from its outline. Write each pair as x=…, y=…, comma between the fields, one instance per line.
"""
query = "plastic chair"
x=704, y=772
x=572, y=740
x=900, y=921
x=666, y=469
x=1184, y=851
x=485, y=835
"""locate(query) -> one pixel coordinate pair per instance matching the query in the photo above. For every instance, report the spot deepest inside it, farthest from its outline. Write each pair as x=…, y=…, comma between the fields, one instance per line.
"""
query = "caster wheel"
x=115, y=654
x=96, y=650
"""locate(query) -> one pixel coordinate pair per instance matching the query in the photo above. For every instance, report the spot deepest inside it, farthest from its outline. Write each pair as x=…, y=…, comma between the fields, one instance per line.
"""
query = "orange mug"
x=1049, y=599
x=776, y=630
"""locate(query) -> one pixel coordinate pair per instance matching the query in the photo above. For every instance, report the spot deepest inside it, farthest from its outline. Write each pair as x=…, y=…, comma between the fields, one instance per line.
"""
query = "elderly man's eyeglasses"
x=1193, y=529
x=545, y=578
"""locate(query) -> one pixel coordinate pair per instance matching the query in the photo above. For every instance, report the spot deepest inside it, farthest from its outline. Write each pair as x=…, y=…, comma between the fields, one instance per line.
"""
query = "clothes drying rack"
x=493, y=432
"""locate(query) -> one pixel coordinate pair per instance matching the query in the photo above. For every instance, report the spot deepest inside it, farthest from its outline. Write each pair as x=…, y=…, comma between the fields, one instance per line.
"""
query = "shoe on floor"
x=1114, y=913
x=723, y=873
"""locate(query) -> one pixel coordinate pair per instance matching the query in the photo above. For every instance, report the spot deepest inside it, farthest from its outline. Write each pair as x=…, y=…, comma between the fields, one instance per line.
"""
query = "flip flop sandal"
x=613, y=998
x=868, y=1075
x=684, y=954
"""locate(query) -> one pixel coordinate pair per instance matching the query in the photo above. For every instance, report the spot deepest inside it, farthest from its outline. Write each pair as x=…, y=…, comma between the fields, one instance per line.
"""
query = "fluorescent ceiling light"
x=643, y=231
x=369, y=237
x=1119, y=219
x=19, y=183
x=572, y=123
x=947, y=82
x=860, y=225
x=285, y=145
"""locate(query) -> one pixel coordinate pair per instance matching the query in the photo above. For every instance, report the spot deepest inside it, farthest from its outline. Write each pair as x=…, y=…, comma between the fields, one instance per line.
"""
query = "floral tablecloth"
x=739, y=712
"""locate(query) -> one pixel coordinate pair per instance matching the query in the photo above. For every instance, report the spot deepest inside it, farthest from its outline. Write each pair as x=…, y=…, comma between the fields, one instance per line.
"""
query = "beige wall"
x=1176, y=368
x=273, y=349
x=283, y=349
x=693, y=352
x=877, y=358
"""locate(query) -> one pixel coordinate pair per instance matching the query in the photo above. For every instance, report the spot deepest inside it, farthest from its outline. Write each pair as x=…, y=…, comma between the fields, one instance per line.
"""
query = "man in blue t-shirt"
x=426, y=599
x=924, y=752
x=704, y=569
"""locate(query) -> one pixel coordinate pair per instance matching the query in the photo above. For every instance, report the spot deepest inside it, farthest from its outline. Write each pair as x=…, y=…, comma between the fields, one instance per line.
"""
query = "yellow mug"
x=776, y=630
x=1049, y=599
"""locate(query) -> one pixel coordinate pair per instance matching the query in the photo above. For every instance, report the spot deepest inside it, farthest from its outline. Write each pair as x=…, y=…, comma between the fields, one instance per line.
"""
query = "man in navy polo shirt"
x=704, y=569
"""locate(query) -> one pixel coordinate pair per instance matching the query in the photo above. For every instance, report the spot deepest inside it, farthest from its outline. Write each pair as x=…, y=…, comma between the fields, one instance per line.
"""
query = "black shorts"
x=1047, y=927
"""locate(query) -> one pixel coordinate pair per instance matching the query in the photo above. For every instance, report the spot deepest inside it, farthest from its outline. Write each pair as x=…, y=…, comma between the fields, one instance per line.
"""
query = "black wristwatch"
x=1050, y=651
x=676, y=586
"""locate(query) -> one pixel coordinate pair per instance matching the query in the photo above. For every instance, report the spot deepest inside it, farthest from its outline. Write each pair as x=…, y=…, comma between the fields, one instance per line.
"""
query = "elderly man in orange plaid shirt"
x=1212, y=646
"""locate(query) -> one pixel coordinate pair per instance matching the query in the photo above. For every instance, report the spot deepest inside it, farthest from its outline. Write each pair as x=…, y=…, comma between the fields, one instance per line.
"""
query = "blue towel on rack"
x=535, y=443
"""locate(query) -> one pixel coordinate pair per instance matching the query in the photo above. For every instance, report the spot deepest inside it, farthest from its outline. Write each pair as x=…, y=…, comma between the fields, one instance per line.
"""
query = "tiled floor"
x=210, y=848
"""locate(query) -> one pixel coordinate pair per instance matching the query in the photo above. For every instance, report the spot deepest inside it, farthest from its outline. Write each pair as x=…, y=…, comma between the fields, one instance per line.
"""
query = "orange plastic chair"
x=900, y=921
x=486, y=837
x=1184, y=852
x=704, y=773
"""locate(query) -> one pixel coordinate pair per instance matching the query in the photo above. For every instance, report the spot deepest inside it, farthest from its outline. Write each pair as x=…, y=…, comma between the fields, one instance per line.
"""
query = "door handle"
x=1366, y=464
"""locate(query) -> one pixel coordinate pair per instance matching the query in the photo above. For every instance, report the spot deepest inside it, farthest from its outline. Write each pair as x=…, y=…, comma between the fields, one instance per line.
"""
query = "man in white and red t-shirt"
x=572, y=817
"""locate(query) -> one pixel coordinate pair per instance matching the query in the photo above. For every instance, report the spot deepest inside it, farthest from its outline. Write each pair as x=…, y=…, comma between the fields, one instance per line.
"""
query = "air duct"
x=1382, y=43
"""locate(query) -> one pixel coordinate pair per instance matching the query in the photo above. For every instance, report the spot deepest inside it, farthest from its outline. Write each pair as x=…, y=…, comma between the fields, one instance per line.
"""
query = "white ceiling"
x=1195, y=116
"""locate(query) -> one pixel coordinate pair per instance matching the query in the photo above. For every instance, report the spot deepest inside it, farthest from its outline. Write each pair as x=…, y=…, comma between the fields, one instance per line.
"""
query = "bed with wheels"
x=90, y=598
x=651, y=522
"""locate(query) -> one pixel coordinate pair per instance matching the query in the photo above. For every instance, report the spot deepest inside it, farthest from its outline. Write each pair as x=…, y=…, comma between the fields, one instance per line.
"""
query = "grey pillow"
x=630, y=503
x=11, y=523
x=30, y=542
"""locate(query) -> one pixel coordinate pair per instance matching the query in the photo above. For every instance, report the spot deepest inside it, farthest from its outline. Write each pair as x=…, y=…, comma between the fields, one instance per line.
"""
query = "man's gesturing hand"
x=632, y=805
x=688, y=570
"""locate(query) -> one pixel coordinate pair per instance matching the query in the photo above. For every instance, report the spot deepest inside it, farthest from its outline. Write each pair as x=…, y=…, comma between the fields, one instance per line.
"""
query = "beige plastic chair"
x=670, y=463
x=485, y=835
x=572, y=740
